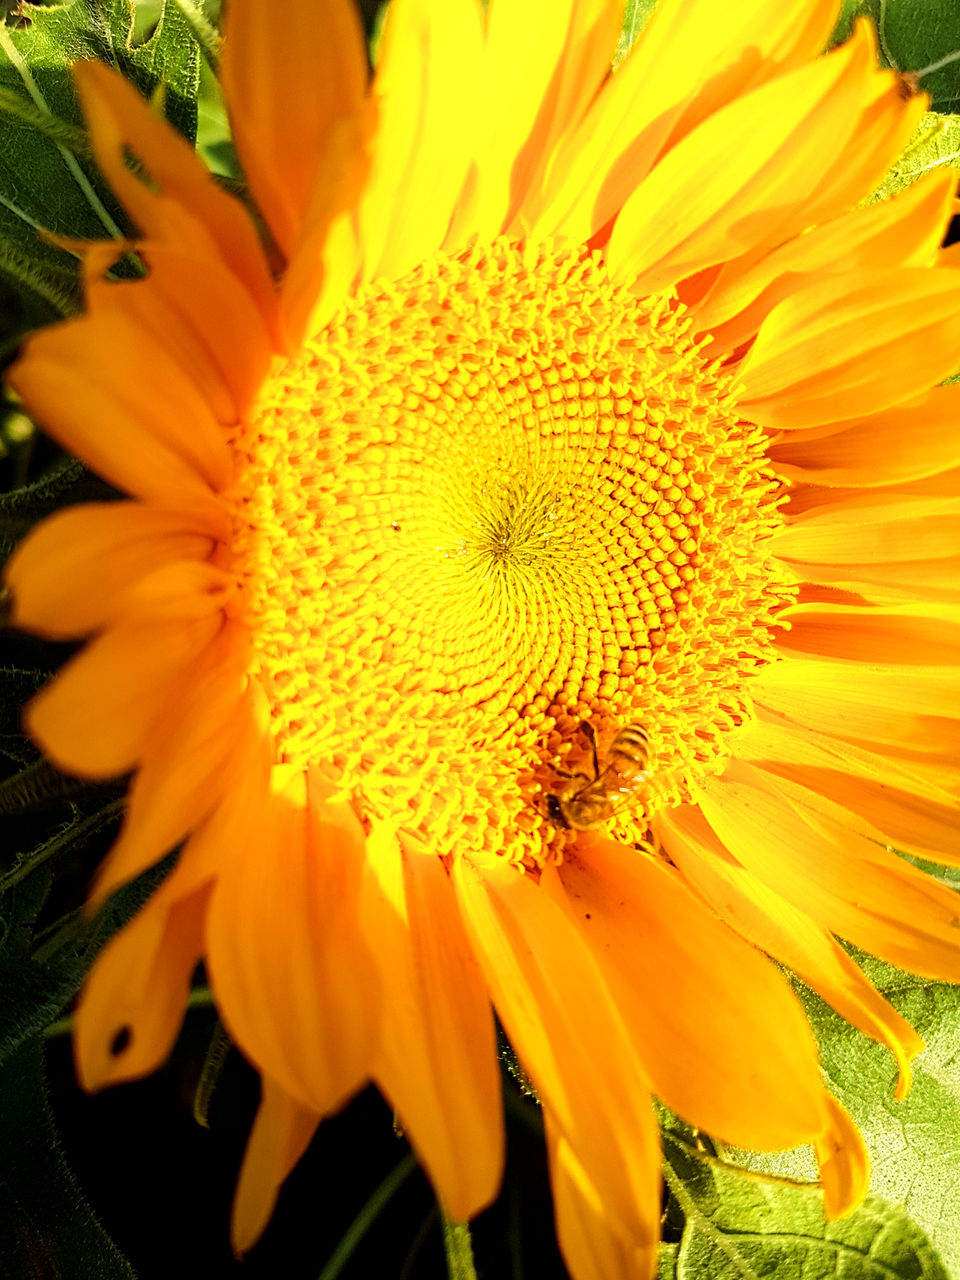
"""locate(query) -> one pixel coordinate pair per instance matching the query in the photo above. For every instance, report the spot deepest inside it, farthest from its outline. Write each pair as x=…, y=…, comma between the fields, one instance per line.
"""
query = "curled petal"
x=281, y=1132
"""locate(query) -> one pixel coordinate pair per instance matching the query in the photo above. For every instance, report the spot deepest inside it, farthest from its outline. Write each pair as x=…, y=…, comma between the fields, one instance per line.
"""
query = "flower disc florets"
x=487, y=502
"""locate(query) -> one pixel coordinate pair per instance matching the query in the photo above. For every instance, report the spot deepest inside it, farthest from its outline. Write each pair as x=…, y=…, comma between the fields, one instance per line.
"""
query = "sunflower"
x=537, y=587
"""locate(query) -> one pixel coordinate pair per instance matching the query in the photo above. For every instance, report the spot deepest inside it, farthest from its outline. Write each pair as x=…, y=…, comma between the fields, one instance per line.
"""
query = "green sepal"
x=47, y=1228
x=41, y=973
x=40, y=787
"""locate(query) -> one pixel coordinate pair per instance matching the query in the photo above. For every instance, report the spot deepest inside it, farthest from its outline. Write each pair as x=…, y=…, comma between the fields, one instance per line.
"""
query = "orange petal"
x=852, y=344
x=693, y=57
x=437, y=1061
x=280, y=1135
x=132, y=1005
x=562, y=1020
x=882, y=797
x=909, y=633
x=178, y=203
x=724, y=1041
x=767, y=920
x=427, y=88
x=846, y=883
x=873, y=704
x=871, y=528
x=844, y=1163
x=880, y=811
x=186, y=765
x=889, y=582
x=291, y=973
x=289, y=86
x=588, y=1240
x=72, y=571
x=194, y=308
x=775, y=737
x=97, y=717
x=91, y=384
x=903, y=232
x=907, y=442
x=755, y=161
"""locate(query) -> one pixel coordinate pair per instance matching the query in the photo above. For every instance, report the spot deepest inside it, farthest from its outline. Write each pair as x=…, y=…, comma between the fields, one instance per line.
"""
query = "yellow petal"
x=907, y=442
x=905, y=231
x=69, y=576
x=724, y=1040
x=846, y=883
x=426, y=89
x=583, y=64
x=766, y=919
x=733, y=183
x=886, y=122
x=562, y=1020
x=174, y=200
x=852, y=344
x=437, y=1060
x=881, y=796
x=692, y=58
x=591, y=1247
x=889, y=582
x=97, y=717
x=132, y=1004
x=289, y=85
x=892, y=705
x=281, y=1132
x=291, y=973
x=871, y=528
x=525, y=41
x=328, y=255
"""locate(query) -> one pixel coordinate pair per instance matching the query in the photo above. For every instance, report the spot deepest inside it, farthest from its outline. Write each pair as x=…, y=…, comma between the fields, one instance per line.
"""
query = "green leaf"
x=168, y=61
x=39, y=788
x=63, y=486
x=918, y=36
x=47, y=1228
x=636, y=16
x=743, y=1228
x=913, y=1144
x=48, y=183
x=17, y=685
x=935, y=144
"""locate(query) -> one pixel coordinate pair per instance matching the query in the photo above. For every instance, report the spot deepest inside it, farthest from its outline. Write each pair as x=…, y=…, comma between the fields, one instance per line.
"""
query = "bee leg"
x=588, y=731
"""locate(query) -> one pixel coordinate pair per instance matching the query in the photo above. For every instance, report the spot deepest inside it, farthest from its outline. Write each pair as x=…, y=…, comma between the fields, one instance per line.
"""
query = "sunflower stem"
x=367, y=1216
x=458, y=1247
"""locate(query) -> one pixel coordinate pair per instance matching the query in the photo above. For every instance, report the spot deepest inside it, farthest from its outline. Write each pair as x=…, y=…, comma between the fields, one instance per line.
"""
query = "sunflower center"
x=489, y=502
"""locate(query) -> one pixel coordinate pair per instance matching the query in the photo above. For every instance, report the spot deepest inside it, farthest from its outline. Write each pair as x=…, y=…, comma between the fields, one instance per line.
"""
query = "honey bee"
x=587, y=802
